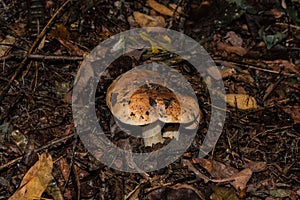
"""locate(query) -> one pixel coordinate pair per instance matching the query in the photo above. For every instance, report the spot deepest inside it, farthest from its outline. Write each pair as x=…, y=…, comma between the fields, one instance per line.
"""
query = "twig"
x=11, y=162
x=55, y=142
x=256, y=68
x=290, y=25
x=6, y=57
x=44, y=57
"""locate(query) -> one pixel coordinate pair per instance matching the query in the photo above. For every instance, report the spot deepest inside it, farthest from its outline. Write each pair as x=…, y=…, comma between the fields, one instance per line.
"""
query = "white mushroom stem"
x=171, y=135
x=152, y=134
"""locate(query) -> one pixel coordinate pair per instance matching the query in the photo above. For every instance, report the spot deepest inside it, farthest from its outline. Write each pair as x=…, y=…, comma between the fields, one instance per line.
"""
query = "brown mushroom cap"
x=138, y=98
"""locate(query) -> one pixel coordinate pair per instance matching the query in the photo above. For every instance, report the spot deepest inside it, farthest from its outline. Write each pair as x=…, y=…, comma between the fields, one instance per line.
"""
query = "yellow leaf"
x=35, y=180
x=156, y=46
x=241, y=101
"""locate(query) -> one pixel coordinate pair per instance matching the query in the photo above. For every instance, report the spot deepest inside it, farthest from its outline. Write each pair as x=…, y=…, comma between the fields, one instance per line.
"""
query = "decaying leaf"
x=241, y=101
x=276, y=193
x=60, y=31
x=223, y=193
x=271, y=40
x=149, y=21
x=19, y=139
x=160, y=8
x=224, y=173
x=35, y=180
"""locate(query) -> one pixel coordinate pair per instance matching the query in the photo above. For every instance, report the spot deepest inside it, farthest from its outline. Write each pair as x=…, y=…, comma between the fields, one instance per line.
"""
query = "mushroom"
x=142, y=97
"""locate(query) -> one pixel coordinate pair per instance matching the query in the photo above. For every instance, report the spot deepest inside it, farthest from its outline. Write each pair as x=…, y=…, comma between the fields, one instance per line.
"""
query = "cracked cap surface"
x=141, y=97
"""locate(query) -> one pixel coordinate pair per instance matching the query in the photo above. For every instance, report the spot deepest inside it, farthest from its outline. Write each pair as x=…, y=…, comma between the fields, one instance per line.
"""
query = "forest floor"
x=254, y=49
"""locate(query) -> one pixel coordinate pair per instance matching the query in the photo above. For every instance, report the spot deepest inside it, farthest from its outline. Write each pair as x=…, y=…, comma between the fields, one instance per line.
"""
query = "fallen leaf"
x=241, y=101
x=271, y=40
x=228, y=72
x=241, y=179
x=276, y=193
x=35, y=180
x=238, y=181
x=149, y=21
x=256, y=166
x=220, y=193
x=160, y=8
x=60, y=31
x=216, y=169
x=241, y=51
x=8, y=41
x=224, y=173
x=174, y=6
x=233, y=39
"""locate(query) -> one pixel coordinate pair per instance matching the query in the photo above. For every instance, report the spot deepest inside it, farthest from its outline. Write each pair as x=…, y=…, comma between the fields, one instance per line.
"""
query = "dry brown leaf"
x=233, y=39
x=149, y=21
x=216, y=169
x=174, y=6
x=228, y=72
x=256, y=166
x=241, y=179
x=238, y=181
x=160, y=8
x=224, y=173
x=241, y=101
x=8, y=40
x=241, y=51
x=35, y=180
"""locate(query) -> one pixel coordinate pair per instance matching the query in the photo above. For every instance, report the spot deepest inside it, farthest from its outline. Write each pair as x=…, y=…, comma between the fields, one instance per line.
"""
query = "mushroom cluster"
x=142, y=97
